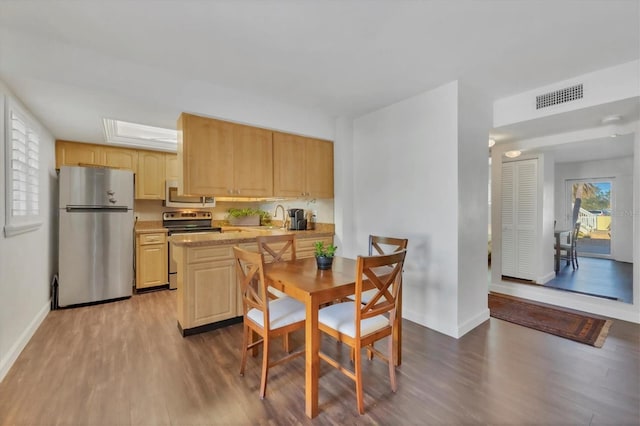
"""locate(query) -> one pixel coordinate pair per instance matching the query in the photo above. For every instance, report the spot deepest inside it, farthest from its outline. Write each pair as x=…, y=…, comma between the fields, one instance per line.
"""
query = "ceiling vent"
x=559, y=96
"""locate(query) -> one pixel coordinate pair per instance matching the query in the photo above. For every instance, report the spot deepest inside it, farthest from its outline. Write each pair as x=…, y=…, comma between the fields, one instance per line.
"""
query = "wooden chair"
x=277, y=248
x=265, y=317
x=377, y=246
x=385, y=245
x=570, y=247
x=359, y=325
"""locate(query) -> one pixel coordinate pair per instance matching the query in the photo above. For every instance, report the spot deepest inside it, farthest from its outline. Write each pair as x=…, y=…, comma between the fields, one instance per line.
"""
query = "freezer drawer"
x=96, y=256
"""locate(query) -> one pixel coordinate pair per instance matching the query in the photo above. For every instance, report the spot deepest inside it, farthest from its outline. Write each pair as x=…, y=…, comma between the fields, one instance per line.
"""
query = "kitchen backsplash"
x=146, y=210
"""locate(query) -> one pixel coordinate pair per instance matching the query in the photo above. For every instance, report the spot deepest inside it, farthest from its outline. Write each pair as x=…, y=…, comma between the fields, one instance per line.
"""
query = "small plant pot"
x=324, y=263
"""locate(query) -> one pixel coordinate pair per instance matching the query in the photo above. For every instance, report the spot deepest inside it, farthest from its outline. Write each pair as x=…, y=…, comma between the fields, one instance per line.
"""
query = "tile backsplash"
x=150, y=210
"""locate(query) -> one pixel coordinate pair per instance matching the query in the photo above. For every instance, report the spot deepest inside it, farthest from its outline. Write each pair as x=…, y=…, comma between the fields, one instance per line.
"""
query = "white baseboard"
x=7, y=361
x=546, y=278
x=472, y=323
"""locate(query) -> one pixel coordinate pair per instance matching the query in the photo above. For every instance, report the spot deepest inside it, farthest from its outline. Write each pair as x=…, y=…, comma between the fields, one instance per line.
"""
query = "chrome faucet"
x=284, y=216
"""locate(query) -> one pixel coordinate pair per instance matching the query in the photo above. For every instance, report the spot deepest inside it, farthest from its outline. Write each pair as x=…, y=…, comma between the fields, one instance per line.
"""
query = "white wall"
x=407, y=182
x=621, y=172
x=27, y=261
x=474, y=123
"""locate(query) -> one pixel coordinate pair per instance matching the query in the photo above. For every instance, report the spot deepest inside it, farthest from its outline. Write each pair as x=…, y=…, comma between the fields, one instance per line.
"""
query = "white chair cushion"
x=341, y=317
x=366, y=295
x=276, y=292
x=282, y=312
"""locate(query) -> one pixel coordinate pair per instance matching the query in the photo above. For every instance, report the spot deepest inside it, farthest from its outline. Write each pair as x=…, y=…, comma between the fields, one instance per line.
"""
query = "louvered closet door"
x=519, y=218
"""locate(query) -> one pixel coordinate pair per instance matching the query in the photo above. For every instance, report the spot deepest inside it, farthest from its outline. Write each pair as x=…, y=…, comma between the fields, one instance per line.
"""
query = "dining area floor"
x=126, y=363
x=599, y=277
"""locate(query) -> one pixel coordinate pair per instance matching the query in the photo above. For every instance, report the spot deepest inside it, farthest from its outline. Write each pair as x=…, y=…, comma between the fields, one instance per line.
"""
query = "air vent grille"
x=559, y=96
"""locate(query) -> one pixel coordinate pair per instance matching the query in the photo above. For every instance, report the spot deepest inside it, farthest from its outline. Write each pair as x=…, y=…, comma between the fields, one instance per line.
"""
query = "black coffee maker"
x=297, y=222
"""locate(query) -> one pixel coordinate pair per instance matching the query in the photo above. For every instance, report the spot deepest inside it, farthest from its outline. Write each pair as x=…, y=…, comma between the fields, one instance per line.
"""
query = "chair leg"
x=254, y=338
x=369, y=352
x=392, y=365
x=245, y=343
x=286, y=342
x=265, y=366
x=358, y=374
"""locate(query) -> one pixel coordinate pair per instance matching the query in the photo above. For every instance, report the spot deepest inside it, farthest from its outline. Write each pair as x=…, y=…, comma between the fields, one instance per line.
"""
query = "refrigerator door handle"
x=84, y=209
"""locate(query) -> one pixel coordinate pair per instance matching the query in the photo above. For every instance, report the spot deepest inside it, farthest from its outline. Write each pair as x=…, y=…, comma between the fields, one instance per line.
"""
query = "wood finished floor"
x=597, y=277
x=124, y=363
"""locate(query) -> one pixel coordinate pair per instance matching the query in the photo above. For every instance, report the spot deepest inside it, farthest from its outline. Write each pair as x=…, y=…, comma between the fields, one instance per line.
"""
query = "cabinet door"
x=214, y=292
x=171, y=166
x=120, y=158
x=150, y=176
x=288, y=165
x=206, y=152
x=77, y=154
x=253, y=162
x=319, y=168
x=151, y=261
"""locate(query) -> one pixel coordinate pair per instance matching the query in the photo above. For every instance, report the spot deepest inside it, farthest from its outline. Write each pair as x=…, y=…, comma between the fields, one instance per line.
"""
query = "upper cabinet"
x=150, y=177
x=171, y=167
x=303, y=167
x=77, y=154
x=149, y=166
x=224, y=159
x=121, y=158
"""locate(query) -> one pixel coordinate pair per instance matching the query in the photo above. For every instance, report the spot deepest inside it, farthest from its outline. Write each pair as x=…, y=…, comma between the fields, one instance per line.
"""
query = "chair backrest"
x=268, y=245
x=384, y=245
x=385, y=273
x=250, y=276
x=574, y=234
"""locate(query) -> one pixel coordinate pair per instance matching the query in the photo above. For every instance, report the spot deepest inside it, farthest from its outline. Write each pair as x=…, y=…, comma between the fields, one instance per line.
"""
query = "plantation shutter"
x=24, y=168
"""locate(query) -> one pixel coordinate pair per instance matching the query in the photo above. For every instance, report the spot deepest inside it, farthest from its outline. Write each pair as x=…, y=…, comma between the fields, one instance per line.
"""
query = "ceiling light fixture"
x=611, y=119
x=513, y=154
x=492, y=142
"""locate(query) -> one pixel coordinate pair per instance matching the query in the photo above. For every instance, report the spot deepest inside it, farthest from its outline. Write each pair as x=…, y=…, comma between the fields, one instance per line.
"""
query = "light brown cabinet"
x=303, y=167
x=224, y=159
x=206, y=290
x=77, y=154
x=121, y=158
x=150, y=177
x=171, y=167
x=305, y=247
x=149, y=166
x=151, y=260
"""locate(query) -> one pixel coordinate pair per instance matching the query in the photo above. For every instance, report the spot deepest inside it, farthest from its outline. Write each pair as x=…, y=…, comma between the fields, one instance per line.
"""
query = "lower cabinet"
x=305, y=247
x=151, y=260
x=206, y=285
x=207, y=290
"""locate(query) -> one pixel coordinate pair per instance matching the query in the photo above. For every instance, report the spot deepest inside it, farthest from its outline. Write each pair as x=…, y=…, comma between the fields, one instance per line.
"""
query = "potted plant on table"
x=324, y=255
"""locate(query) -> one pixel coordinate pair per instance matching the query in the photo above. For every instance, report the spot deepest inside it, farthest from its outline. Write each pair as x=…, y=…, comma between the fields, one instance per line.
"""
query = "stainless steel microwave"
x=173, y=199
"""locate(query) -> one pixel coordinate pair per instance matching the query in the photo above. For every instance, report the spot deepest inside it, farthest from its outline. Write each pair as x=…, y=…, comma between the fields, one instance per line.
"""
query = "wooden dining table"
x=302, y=280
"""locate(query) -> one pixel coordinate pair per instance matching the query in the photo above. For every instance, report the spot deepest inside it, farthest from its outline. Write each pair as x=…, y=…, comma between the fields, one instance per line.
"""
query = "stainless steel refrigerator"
x=96, y=235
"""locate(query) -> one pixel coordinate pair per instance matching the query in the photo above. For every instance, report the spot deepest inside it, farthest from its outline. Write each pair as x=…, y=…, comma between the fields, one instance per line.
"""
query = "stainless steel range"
x=183, y=222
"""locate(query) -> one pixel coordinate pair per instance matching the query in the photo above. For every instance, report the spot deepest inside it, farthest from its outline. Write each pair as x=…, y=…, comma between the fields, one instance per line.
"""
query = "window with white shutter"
x=23, y=173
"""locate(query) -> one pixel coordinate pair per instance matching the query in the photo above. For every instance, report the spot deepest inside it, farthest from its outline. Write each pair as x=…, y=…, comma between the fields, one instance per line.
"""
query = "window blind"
x=25, y=145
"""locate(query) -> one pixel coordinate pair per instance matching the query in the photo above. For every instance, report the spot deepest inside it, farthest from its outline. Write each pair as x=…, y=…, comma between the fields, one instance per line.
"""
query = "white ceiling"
x=143, y=61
